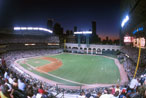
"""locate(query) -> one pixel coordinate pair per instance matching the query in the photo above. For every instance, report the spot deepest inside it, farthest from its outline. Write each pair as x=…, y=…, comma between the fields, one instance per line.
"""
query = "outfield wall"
x=97, y=49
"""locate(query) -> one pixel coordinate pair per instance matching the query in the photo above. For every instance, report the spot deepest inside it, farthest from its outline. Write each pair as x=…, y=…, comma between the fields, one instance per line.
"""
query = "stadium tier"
x=14, y=42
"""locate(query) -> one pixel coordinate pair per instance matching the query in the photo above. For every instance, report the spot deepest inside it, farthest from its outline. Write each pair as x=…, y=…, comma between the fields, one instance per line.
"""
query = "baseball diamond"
x=76, y=69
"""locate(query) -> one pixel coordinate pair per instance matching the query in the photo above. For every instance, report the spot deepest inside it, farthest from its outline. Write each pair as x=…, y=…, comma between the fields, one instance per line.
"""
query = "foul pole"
x=138, y=59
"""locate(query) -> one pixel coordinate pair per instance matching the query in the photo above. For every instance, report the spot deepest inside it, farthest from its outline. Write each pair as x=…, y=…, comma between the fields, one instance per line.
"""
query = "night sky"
x=68, y=13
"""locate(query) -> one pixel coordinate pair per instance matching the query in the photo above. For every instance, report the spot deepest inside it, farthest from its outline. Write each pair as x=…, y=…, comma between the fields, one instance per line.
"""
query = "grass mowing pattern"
x=87, y=69
x=49, y=77
x=84, y=69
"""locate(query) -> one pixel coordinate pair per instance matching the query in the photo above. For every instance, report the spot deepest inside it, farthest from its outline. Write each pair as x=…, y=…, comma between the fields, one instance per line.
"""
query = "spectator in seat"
x=35, y=89
x=142, y=90
x=82, y=95
x=2, y=82
x=4, y=93
x=88, y=95
x=117, y=88
x=29, y=91
x=15, y=83
x=21, y=84
x=116, y=95
x=113, y=89
x=108, y=94
x=134, y=83
x=41, y=90
x=8, y=84
x=142, y=79
x=6, y=74
x=99, y=94
x=123, y=94
x=134, y=94
x=10, y=79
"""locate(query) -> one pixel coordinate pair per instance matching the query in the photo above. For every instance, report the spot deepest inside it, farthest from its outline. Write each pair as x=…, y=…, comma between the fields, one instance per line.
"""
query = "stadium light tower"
x=87, y=37
x=125, y=20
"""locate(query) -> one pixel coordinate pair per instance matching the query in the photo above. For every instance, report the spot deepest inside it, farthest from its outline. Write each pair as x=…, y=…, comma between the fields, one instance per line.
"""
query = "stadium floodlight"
x=30, y=28
x=41, y=29
x=32, y=44
x=23, y=28
x=77, y=32
x=87, y=32
x=45, y=30
x=33, y=28
x=48, y=30
x=83, y=32
x=29, y=44
x=26, y=44
x=16, y=28
x=125, y=20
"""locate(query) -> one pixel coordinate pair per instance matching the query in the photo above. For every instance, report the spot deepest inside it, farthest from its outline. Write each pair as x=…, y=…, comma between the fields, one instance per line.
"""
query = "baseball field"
x=74, y=69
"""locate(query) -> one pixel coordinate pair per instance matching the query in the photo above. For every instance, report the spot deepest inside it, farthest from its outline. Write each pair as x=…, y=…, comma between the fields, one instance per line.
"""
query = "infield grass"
x=36, y=62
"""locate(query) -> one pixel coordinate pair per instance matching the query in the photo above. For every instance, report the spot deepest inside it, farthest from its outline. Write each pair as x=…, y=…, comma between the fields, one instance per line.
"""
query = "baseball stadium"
x=39, y=62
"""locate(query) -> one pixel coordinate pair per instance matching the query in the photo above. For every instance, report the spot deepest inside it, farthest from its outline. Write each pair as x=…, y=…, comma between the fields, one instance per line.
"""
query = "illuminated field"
x=84, y=69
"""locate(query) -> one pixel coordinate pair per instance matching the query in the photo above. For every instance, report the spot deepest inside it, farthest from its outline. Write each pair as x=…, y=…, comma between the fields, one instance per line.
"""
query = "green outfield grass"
x=86, y=69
